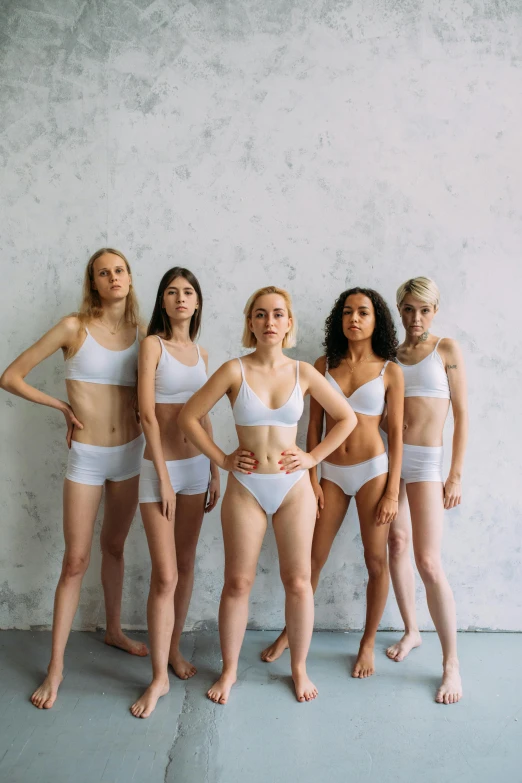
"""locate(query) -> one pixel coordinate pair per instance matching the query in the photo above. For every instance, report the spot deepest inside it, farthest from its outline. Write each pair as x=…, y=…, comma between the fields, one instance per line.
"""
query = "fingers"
x=245, y=461
x=164, y=505
x=76, y=422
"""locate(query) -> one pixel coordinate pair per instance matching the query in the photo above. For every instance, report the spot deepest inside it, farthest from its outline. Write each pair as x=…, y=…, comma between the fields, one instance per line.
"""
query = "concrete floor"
x=386, y=729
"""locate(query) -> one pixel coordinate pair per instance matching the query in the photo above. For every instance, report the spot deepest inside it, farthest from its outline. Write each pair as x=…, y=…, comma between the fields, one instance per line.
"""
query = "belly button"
x=114, y=429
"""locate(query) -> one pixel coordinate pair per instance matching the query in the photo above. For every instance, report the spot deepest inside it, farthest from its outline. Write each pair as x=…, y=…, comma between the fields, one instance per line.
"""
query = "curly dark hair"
x=384, y=337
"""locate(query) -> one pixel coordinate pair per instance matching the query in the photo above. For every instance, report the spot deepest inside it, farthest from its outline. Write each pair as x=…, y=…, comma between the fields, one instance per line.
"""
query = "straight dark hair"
x=160, y=322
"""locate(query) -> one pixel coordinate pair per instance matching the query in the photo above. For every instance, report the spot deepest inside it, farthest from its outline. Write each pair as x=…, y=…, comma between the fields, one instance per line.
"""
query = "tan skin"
x=267, y=449
x=377, y=500
x=173, y=525
x=425, y=501
x=102, y=415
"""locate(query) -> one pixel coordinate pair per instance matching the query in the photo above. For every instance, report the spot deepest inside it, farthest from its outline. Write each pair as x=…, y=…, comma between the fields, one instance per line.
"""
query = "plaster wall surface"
x=313, y=145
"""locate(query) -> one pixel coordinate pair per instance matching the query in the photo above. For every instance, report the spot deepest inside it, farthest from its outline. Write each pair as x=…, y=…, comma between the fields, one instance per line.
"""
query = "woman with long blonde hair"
x=268, y=475
x=104, y=438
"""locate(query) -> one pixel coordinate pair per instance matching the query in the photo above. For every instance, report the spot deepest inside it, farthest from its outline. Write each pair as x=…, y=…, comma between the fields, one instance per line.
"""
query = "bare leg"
x=244, y=527
x=403, y=579
x=80, y=506
x=121, y=500
x=427, y=514
x=189, y=517
x=375, y=540
x=294, y=528
x=326, y=528
x=160, y=606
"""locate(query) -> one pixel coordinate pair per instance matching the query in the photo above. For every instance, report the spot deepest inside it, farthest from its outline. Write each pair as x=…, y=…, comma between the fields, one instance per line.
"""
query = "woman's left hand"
x=386, y=510
x=452, y=493
x=213, y=493
x=296, y=459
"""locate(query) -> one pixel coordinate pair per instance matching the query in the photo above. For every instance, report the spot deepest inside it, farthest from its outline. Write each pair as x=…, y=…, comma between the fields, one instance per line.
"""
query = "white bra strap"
x=242, y=370
x=163, y=349
x=197, y=348
x=438, y=341
x=297, y=372
x=386, y=363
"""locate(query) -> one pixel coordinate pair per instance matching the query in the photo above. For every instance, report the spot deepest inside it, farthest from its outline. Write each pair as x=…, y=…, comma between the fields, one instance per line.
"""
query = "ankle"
x=55, y=669
x=411, y=631
x=451, y=662
x=229, y=672
x=367, y=642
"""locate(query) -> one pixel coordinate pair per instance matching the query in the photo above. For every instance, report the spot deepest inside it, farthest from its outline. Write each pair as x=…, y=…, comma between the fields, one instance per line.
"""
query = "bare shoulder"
x=450, y=351
x=393, y=371
x=306, y=370
x=150, y=345
x=320, y=364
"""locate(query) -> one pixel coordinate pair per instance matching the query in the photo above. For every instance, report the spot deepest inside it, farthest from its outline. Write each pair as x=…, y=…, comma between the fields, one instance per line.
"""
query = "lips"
x=114, y=287
x=354, y=329
x=181, y=308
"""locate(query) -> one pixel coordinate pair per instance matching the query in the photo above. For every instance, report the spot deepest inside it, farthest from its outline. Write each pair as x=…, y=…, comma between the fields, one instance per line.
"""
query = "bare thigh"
x=244, y=525
x=374, y=536
x=426, y=501
x=188, y=519
x=400, y=528
x=80, y=506
x=160, y=538
x=330, y=520
x=294, y=523
x=121, y=502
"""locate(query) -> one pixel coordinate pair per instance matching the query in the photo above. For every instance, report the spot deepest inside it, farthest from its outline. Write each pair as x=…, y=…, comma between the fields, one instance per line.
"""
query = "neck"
x=180, y=331
x=270, y=355
x=113, y=313
x=411, y=340
x=358, y=350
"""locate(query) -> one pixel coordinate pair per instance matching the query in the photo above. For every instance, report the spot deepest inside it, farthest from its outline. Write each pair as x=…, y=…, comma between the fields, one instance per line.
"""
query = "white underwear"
x=350, y=478
x=94, y=465
x=420, y=463
x=269, y=489
x=187, y=476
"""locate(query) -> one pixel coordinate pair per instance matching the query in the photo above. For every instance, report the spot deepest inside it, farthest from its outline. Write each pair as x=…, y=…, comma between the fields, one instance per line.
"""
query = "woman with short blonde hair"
x=434, y=378
x=100, y=346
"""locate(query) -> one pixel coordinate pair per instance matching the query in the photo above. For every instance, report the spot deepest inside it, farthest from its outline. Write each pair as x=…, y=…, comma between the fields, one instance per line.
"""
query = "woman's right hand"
x=241, y=461
x=168, y=499
x=72, y=422
x=319, y=497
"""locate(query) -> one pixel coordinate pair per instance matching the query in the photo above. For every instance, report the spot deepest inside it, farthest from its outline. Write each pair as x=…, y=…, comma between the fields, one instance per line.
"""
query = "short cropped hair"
x=248, y=340
x=423, y=288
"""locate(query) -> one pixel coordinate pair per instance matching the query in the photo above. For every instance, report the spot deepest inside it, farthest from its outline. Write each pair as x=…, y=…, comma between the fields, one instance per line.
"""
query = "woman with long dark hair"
x=175, y=476
x=361, y=346
x=100, y=346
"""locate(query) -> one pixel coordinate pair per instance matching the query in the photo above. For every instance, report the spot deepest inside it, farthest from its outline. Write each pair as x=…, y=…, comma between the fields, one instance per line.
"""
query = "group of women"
x=382, y=407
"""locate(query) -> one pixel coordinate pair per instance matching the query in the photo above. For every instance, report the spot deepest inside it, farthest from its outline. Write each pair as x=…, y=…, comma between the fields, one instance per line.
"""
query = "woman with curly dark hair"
x=361, y=346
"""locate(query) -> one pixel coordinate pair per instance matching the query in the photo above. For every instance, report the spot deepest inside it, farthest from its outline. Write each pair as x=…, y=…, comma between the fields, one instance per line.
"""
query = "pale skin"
x=426, y=501
x=97, y=414
x=267, y=449
x=173, y=525
x=377, y=500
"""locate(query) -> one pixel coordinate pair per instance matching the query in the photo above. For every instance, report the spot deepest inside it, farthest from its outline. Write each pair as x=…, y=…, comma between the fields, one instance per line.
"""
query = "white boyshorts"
x=420, y=463
x=187, y=476
x=94, y=465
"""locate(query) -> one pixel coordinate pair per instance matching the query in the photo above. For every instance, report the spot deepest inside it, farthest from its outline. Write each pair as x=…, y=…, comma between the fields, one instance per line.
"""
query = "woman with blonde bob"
x=434, y=376
x=268, y=474
x=100, y=346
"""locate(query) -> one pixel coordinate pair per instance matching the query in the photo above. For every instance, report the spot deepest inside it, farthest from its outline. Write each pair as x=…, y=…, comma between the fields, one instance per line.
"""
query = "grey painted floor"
x=385, y=729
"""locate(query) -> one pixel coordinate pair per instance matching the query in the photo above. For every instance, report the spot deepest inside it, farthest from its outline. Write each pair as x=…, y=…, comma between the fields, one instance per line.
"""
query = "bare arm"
x=63, y=335
x=395, y=406
x=459, y=402
x=150, y=353
x=316, y=422
x=214, y=488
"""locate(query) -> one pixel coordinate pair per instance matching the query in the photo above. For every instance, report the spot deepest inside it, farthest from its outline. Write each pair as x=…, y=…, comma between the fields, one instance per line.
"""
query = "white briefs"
x=187, y=476
x=89, y=464
x=420, y=463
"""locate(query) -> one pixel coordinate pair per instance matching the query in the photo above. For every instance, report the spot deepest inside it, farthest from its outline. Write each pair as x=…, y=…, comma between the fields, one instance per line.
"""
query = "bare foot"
x=305, y=690
x=125, y=643
x=182, y=668
x=146, y=704
x=276, y=649
x=450, y=691
x=365, y=663
x=220, y=691
x=410, y=640
x=45, y=696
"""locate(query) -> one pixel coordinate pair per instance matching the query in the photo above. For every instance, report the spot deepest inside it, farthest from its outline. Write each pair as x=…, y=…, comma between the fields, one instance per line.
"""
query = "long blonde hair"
x=249, y=341
x=91, y=307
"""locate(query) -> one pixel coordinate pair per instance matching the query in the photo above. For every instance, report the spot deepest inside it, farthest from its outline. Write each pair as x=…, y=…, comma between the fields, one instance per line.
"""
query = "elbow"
x=147, y=418
x=6, y=381
x=183, y=420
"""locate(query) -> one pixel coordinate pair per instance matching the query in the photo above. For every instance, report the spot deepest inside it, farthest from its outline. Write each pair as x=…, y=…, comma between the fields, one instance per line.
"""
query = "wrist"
x=454, y=478
x=390, y=497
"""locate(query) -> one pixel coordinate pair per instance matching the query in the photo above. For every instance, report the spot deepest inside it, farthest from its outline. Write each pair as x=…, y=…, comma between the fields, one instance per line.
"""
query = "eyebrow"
x=183, y=288
x=105, y=268
x=262, y=310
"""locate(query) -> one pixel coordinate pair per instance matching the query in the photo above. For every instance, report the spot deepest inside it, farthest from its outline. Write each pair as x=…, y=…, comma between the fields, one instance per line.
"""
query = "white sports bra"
x=368, y=398
x=175, y=381
x=250, y=411
x=93, y=363
x=427, y=378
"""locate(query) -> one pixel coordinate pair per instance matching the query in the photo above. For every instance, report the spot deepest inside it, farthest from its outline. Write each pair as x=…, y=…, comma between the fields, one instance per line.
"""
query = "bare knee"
x=430, y=568
x=163, y=581
x=377, y=565
x=296, y=584
x=238, y=586
x=185, y=567
x=112, y=547
x=398, y=544
x=319, y=561
x=74, y=566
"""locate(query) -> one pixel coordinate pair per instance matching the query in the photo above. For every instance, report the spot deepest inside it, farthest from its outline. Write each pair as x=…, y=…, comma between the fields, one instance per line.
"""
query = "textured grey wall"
x=313, y=144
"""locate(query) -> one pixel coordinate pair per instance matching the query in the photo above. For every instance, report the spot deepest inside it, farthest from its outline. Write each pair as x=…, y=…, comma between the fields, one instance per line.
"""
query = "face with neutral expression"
x=180, y=299
x=416, y=316
x=358, y=318
x=110, y=277
x=270, y=320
